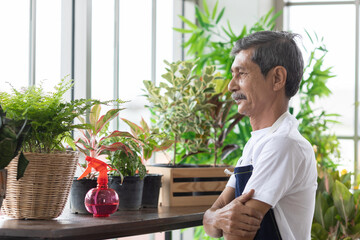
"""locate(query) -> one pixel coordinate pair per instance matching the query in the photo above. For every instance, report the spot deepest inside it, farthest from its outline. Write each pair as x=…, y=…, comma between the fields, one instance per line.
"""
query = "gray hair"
x=273, y=49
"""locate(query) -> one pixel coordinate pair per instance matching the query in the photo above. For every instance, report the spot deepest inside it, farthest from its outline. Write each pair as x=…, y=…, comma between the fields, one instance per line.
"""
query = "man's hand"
x=231, y=217
x=237, y=220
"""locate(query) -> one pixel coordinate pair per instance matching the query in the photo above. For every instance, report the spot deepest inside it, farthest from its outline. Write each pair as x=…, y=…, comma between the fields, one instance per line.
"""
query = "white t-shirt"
x=284, y=176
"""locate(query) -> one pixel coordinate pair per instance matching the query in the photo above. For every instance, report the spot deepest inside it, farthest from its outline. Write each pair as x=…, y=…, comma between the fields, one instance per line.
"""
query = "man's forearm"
x=230, y=218
x=209, y=224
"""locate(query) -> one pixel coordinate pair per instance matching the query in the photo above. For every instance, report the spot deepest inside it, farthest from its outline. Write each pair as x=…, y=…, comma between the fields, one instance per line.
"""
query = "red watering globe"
x=100, y=201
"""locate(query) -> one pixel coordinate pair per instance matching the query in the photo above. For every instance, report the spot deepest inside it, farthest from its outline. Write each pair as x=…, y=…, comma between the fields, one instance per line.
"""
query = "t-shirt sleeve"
x=231, y=182
x=275, y=169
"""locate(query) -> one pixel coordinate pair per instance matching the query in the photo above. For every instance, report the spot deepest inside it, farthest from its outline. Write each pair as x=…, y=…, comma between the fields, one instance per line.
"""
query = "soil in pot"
x=152, y=184
x=130, y=191
x=78, y=191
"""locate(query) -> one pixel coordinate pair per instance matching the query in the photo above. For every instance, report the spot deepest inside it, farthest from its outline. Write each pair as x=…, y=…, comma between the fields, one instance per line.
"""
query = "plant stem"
x=174, y=156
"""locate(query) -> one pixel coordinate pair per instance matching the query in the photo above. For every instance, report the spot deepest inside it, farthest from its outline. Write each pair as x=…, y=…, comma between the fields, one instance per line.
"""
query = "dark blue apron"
x=268, y=227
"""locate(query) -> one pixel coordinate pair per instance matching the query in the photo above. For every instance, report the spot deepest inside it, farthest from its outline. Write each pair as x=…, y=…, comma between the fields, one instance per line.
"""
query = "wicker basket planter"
x=43, y=191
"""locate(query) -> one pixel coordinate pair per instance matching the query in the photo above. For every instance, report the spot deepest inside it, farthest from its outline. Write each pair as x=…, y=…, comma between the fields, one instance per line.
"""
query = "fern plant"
x=51, y=118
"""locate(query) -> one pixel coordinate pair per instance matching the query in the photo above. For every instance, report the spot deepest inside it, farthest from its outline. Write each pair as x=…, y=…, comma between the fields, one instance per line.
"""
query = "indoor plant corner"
x=51, y=166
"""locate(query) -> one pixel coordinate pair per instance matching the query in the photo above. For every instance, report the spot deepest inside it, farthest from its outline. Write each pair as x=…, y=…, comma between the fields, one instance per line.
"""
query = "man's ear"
x=279, y=77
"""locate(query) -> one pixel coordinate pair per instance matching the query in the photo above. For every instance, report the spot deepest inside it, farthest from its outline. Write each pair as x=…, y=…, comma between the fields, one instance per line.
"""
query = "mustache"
x=238, y=96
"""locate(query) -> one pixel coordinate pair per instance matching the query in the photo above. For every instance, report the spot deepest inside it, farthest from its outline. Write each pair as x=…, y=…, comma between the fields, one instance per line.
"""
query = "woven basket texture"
x=44, y=189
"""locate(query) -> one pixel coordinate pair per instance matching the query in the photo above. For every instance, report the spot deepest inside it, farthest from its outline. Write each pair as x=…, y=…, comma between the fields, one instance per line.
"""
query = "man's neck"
x=267, y=119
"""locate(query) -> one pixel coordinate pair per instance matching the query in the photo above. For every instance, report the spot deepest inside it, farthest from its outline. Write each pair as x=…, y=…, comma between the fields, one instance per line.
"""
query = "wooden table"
x=120, y=224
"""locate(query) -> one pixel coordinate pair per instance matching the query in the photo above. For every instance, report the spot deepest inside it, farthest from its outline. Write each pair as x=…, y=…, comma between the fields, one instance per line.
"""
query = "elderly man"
x=271, y=194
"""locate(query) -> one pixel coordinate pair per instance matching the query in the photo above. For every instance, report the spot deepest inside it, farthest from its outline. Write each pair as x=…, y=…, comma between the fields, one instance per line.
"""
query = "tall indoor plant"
x=51, y=167
x=180, y=105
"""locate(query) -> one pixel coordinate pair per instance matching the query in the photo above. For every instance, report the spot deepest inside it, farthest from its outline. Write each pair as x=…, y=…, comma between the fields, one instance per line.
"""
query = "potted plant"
x=128, y=177
x=185, y=109
x=94, y=141
x=12, y=133
x=51, y=167
x=149, y=140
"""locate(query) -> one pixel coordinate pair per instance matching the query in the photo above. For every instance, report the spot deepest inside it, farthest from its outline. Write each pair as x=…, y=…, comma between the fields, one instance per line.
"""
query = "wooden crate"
x=190, y=186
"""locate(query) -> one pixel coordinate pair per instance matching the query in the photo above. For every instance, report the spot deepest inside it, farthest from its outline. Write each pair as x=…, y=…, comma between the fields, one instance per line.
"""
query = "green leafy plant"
x=142, y=143
x=12, y=134
x=179, y=104
x=51, y=119
x=150, y=140
x=125, y=162
x=337, y=209
x=94, y=141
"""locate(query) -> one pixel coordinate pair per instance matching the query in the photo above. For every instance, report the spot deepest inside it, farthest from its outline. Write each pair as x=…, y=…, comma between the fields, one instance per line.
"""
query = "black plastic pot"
x=78, y=191
x=152, y=184
x=130, y=191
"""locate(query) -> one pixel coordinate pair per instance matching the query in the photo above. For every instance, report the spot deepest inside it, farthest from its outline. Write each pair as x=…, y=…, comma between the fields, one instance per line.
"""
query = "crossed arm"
x=234, y=219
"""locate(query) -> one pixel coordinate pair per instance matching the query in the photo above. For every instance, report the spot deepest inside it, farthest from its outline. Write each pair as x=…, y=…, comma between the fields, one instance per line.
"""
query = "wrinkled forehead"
x=243, y=59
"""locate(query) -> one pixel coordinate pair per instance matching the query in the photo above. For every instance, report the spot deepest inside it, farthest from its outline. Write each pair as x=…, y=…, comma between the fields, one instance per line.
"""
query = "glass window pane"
x=48, y=43
x=135, y=56
x=164, y=36
x=14, y=44
x=339, y=38
x=102, y=54
x=347, y=155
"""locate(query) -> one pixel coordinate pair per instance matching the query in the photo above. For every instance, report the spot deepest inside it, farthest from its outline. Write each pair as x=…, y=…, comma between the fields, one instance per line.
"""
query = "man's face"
x=251, y=90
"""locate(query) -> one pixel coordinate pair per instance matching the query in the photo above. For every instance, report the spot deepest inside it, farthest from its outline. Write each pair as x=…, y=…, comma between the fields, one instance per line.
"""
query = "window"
x=337, y=22
x=14, y=44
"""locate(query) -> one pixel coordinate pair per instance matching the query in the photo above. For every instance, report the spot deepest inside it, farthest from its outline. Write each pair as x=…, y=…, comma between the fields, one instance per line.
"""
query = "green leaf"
x=109, y=115
x=183, y=30
x=320, y=209
x=343, y=200
x=220, y=16
x=22, y=164
x=200, y=17
x=214, y=10
x=329, y=217
x=117, y=133
x=188, y=22
x=318, y=232
x=206, y=8
x=94, y=114
x=134, y=127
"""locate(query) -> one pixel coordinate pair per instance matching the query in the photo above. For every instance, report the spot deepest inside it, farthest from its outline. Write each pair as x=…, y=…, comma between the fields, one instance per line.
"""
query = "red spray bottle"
x=100, y=201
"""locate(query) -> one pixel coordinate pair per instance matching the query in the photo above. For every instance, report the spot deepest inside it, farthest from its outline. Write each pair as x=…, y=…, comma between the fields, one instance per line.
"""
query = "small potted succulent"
x=12, y=133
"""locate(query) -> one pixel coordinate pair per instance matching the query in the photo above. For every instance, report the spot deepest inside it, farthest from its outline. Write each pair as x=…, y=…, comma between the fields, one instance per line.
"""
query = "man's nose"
x=232, y=86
